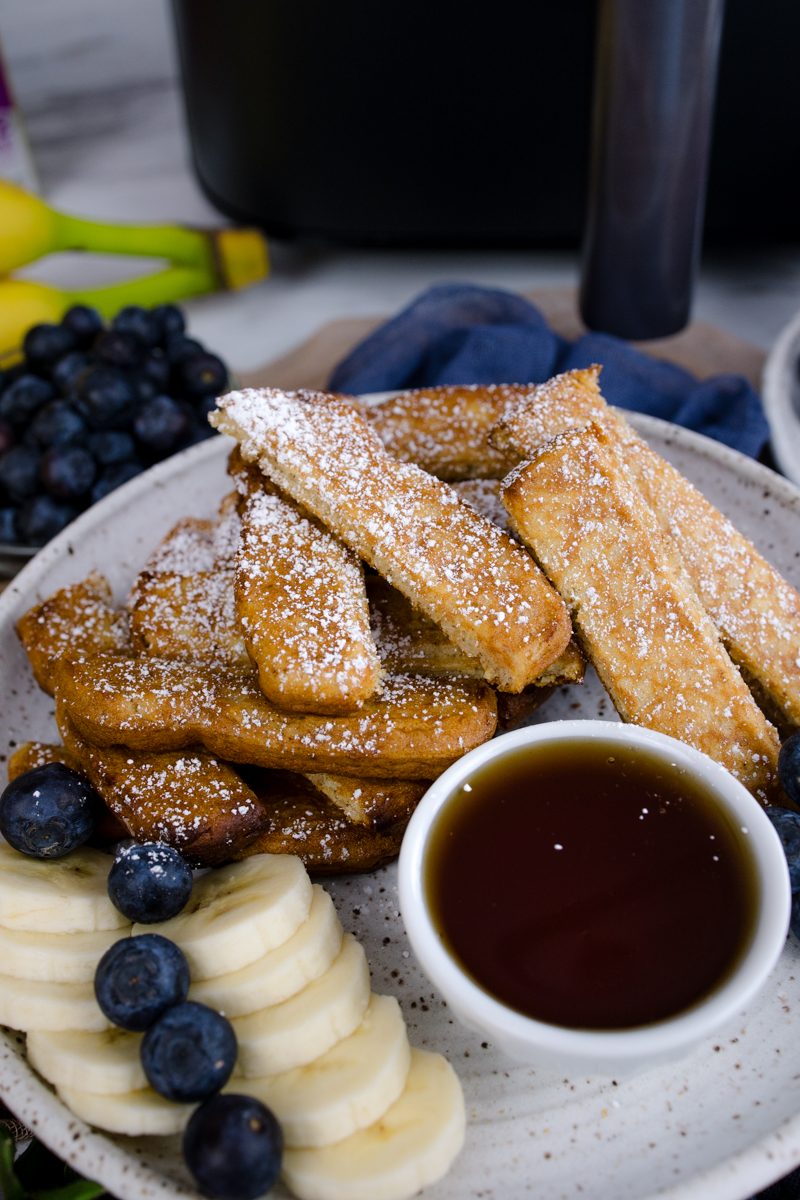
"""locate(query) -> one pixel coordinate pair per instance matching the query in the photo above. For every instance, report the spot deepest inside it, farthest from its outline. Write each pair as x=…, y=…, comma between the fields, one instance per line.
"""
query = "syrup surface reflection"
x=590, y=885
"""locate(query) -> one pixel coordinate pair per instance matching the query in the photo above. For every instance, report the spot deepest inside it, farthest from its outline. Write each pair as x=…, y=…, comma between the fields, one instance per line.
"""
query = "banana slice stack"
x=364, y=1116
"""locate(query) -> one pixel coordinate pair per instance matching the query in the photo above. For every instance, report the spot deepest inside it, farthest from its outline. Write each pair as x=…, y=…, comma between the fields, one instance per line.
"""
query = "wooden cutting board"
x=701, y=348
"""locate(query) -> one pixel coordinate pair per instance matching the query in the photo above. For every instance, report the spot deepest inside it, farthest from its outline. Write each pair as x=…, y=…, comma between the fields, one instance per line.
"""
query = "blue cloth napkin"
x=457, y=333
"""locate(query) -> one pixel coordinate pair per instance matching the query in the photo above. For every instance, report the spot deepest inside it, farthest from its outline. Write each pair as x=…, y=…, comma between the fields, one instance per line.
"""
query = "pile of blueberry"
x=90, y=407
x=233, y=1143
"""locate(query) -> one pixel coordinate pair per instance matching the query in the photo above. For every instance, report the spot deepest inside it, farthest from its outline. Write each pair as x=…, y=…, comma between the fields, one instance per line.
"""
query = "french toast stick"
x=189, y=616
x=757, y=613
x=414, y=728
x=408, y=641
x=374, y=803
x=302, y=821
x=302, y=608
x=651, y=641
x=188, y=800
x=443, y=429
x=189, y=546
x=80, y=618
x=481, y=588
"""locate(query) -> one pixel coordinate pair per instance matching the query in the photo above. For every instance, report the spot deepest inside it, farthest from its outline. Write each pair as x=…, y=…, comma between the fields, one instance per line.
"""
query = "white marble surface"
x=97, y=80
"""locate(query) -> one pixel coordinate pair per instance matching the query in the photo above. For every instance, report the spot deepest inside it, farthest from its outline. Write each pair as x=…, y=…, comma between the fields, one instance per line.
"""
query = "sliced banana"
x=302, y=1028
x=30, y=1004
x=236, y=914
x=347, y=1088
x=135, y=1113
x=279, y=973
x=411, y=1146
x=105, y=1063
x=55, y=957
x=57, y=895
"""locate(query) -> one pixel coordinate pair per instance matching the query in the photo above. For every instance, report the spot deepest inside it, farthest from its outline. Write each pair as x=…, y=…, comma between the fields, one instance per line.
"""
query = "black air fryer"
x=443, y=123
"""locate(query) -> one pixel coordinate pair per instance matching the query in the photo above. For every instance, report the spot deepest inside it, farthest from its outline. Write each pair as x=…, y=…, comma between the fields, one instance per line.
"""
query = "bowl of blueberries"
x=89, y=407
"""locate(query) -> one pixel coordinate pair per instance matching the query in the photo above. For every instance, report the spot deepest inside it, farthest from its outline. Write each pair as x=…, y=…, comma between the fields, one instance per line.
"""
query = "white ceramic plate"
x=720, y=1125
x=781, y=396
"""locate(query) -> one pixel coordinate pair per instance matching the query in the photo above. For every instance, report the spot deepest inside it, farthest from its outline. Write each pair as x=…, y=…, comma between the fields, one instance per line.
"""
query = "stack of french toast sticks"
x=386, y=585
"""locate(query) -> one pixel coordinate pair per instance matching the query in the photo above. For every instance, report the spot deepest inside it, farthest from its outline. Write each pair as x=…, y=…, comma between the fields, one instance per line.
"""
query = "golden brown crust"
x=375, y=803
x=650, y=640
x=444, y=429
x=447, y=560
x=78, y=619
x=414, y=729
x=302, y=608
x=567, y=401
x=189, y=616
x=188, y=800
x=188, y=547
x=755, y=610
x=303, y=822
x=31, y=755
x=407, y=640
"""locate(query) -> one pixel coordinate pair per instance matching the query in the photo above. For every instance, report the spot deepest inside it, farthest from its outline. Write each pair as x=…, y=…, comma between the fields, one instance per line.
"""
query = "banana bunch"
x=201, y=261
x=364, y=1116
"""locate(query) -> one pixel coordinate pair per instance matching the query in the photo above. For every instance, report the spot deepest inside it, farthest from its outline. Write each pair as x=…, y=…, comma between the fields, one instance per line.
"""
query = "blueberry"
x=149, y=883
x=162, y=425
x=201, y=432
x=57, y=424
x=67, y=472
x=48, y=811
x=788, y=759
x=41, y=519
x=204, y=406
x=144, y=388
x=138, y=321
x=8, y=525
x=177, y=347
x=113, y=477
x=233, y=1146
x=119, y=348
x=170, y=320
x=6, y=437
x=787, y=826
x=44, y=345
x=139, y=978
x=84, y=324
x=68, y=370
x=201, y=374
x=157, y=370
x=110, y=447
x=19, y=473
x=20, y=401
x=189, y=1052
x=105, y=398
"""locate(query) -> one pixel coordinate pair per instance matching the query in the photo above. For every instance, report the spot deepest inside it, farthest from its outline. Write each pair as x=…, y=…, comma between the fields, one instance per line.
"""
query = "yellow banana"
x=29, y=228
x=23, y=304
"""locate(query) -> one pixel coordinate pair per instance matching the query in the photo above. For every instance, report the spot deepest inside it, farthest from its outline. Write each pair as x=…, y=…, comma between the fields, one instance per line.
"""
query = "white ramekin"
x=619, y=1052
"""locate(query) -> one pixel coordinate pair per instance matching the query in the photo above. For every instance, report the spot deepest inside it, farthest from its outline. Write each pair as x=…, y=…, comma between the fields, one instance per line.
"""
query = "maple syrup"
x=591, y=885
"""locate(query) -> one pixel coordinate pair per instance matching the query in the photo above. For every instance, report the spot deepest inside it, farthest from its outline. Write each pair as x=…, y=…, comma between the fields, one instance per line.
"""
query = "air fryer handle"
x=653, y=106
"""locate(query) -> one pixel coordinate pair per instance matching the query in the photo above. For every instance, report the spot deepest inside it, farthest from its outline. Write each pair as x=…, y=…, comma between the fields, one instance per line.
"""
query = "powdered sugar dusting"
x=651, y=641
x=303, y=609
x=452, y=563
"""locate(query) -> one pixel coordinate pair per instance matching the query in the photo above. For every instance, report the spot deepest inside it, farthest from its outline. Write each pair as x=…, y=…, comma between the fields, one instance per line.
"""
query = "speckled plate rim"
x=778, y=383
x=97, y=1156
